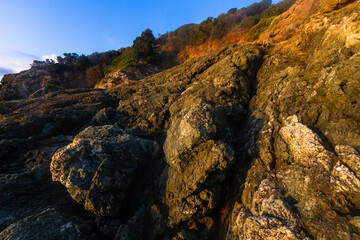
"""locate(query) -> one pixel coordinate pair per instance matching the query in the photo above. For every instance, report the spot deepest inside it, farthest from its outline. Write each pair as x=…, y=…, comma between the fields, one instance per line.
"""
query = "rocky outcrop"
x=303, y=97
x=124, y=76
x=32, y=131
x=315, y=181
x=60, y=227
x=270, y=216
x=251, y=141
x=99, y=167
x=37, y=82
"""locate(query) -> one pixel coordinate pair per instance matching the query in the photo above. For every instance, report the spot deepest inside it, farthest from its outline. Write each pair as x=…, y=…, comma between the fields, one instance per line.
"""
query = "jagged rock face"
x=247, y=142
x=37, y=82
x=32, y=130
x=100, y=165
x=49, y=224
x=307, y=98
x=125, y=76
x=56, y=113
x=315, y=181
x=198, y=147
x=327, y=6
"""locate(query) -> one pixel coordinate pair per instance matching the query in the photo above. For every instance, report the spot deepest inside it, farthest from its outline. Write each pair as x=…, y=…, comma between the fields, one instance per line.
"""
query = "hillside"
x=257, y=139
x=148, y=55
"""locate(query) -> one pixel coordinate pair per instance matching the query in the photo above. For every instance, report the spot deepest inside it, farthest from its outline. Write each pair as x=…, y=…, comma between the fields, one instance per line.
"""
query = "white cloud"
x=17, y=61
x=51, y=56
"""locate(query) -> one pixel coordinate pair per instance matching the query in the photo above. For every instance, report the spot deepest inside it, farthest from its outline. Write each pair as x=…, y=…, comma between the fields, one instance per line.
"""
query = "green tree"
x=82, y=63
x=144, y=45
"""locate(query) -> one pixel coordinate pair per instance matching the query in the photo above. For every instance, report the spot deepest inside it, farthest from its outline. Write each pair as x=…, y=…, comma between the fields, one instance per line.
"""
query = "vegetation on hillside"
x=233, y=20
x=91, y=66
x=145, y=52
x=142, y=52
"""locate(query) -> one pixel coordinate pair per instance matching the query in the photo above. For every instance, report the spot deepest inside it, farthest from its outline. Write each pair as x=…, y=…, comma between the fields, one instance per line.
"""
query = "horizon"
x=46, y=29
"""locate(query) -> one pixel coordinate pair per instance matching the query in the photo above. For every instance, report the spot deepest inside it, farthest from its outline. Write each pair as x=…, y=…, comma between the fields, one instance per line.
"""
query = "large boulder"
x=99, y=167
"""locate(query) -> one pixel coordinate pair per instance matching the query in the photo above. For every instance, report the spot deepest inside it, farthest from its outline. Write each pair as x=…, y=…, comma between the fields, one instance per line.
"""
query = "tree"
x=144, y=45
x=82, y=63
x=232, y=11
x=38, y=64
x=69, y=59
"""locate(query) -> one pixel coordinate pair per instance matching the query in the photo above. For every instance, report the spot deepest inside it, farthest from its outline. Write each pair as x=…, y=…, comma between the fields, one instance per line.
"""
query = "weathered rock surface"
x=53, y=225
x=307, y=98
x=37, y=82
x=251, y=141
x=100, y=165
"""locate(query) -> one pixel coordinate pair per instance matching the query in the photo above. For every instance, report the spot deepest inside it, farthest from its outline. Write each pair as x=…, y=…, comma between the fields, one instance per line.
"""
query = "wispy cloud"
x=16, y=61
x=25, y=55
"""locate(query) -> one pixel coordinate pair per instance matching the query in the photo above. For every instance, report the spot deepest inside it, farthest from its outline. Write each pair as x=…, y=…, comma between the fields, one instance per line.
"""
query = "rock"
x=37, y=82
x=328, y=6
x=193, y=127
x=198, y=146
x=105, y=116
x=107, y=226
x=350, y=157
x=38, y=227
x=135, y=228
x=355, y=221
x=54, y=114
x=229, y=145
x=100, y=165
x=262, y=227
x=305, y=146
x=270, y=217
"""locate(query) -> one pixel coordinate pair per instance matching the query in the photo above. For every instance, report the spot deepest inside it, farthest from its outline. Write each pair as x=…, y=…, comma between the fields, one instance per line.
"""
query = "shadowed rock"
x=100, y=165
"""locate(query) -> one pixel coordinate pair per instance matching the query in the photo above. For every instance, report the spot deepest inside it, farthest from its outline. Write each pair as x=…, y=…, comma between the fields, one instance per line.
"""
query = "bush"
x=49, y=86
x=276, y=21
x=94, y=74
x=278, y=8
x=248, y=22
x=126, y=59
x=259, y=28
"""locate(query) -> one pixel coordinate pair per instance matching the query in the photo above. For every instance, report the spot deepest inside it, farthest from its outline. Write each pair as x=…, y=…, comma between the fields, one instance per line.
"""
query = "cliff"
x=254, y=140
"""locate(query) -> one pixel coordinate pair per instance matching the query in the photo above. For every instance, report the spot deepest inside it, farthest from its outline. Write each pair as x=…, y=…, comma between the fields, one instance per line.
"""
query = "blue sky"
x=37, y=29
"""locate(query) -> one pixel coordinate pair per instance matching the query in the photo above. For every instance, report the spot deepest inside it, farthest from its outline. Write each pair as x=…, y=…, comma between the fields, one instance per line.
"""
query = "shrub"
x=49, y=86
x=276, y=21
x=94, y=74
x=126, y=59
x=248, y=22
x=259, y=28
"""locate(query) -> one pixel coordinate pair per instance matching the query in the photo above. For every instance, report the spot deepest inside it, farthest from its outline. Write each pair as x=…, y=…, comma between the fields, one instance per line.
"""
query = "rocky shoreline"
x=251, y=141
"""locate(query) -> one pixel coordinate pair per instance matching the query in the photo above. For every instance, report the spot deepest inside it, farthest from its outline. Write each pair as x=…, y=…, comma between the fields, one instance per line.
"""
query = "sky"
x=39, y=29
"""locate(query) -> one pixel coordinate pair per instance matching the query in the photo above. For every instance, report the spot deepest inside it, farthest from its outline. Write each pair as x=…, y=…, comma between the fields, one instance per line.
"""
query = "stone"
x=100, y=165
x=305, y=145
x=350, y=157
x=262, y=227
x=38, y=227
x=270, y=217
